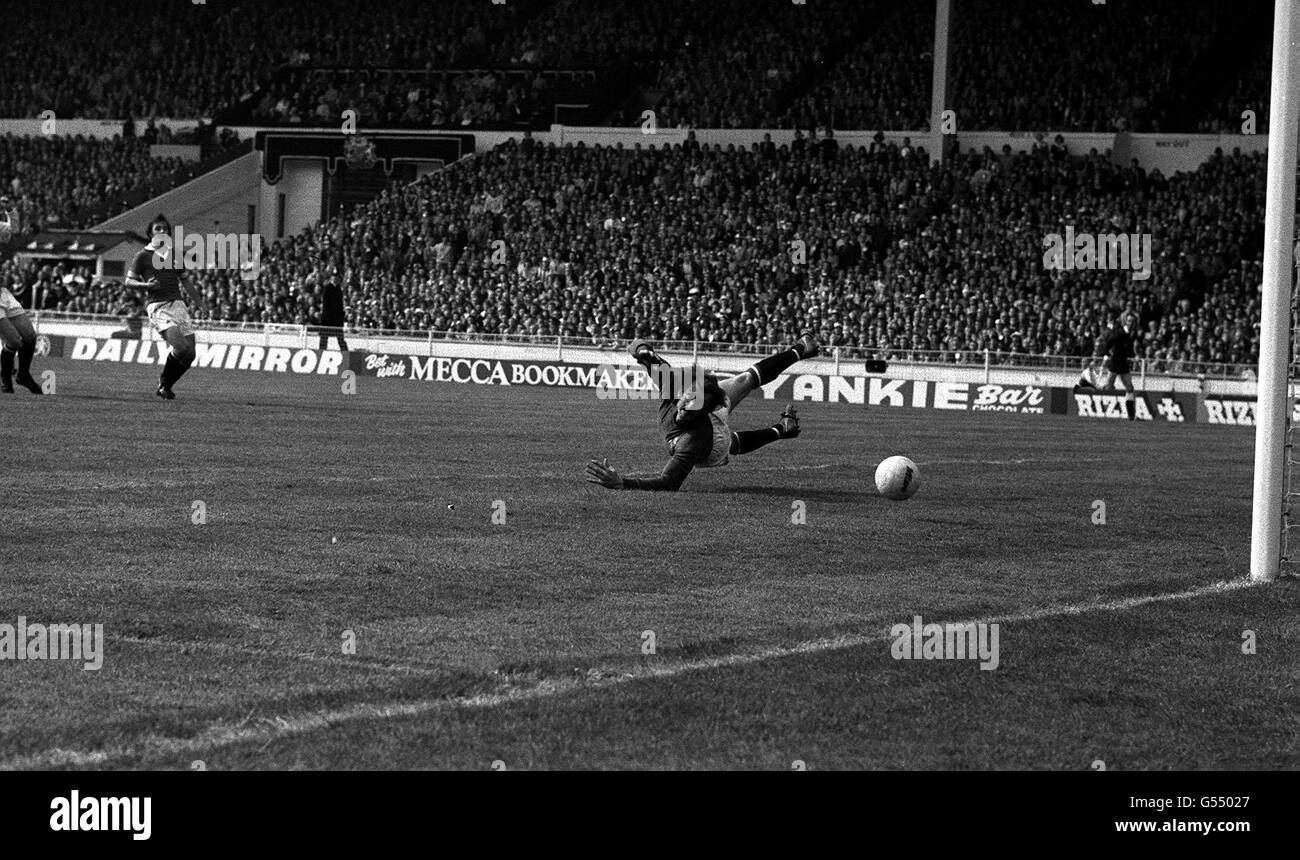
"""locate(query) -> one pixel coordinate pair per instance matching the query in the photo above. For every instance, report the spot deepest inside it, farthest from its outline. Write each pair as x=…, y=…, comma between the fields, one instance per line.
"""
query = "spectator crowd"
x=66, y=182
x=481, y=99
x=874, y=248
x=1018, y=65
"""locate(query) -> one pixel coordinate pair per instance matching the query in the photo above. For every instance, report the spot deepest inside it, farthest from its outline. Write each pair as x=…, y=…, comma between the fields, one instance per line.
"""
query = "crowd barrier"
x=613, y=376
x=620, y=379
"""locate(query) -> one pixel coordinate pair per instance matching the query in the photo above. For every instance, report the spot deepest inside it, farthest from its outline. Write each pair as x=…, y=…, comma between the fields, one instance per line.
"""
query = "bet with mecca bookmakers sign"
x=626, y=381
x=623, y=381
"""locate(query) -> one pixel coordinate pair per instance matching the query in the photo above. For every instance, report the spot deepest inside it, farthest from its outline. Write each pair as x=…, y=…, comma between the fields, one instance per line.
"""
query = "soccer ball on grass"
x=897, y=478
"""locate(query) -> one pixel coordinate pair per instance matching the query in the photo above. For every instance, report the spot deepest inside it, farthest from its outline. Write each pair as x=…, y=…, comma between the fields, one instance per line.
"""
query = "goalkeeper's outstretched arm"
x=669, y=480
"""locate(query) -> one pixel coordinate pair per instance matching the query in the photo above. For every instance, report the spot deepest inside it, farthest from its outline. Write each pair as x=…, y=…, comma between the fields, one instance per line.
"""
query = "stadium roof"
x=85, y=244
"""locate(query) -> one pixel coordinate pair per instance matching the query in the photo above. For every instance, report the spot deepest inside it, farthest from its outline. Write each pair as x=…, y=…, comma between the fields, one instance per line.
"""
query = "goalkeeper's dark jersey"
x=691, y=444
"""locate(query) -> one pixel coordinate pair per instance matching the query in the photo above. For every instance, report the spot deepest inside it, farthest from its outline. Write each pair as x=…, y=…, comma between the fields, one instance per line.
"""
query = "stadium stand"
x=399, y=98
x=755, y=63
x=838, y=63
x=71, y=182
x=596, y=237
x=882, y=81
x=694, y=243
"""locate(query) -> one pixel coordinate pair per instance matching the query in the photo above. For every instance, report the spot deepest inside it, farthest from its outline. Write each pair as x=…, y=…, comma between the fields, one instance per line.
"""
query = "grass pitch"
x=369, y=518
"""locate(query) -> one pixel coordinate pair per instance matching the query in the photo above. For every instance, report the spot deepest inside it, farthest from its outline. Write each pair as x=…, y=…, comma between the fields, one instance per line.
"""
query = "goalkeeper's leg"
x=739, y=386
x=745, y=441
x=671, y=385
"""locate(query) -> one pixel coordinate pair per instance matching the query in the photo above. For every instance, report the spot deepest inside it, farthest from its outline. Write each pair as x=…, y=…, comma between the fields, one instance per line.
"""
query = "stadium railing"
x=989, y=359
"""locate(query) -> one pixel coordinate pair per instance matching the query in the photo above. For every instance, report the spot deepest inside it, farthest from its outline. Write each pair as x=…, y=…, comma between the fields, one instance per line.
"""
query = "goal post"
x=1274, y=398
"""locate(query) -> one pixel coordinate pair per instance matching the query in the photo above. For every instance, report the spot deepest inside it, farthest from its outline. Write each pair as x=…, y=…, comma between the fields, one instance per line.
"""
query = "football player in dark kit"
x=693, y=416
x=1117, y=351
x=153, y=271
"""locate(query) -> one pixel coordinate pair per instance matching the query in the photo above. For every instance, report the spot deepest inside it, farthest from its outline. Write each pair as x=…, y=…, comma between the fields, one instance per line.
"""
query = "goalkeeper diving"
x=695, y=418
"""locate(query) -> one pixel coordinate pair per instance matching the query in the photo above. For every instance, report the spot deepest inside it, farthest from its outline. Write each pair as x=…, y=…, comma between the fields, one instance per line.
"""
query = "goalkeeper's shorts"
x=720, y=449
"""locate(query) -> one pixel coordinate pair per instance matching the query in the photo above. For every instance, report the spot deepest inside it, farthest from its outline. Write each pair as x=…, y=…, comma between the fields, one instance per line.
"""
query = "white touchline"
x=265, y=729
x=226, y=473
x=273, y=653
x=1019, y=461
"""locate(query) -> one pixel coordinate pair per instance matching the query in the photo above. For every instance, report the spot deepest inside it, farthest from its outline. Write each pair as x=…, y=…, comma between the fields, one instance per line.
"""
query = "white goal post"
x=1272, y=452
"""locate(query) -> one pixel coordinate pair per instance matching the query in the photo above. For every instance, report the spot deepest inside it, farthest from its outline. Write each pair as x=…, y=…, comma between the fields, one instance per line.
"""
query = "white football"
x=897, y=478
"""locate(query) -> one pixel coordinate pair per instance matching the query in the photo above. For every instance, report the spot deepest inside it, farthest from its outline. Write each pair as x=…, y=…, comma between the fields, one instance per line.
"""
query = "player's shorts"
x=173, y=314
x=720, y=453
x=720, y=449
x=9, y=306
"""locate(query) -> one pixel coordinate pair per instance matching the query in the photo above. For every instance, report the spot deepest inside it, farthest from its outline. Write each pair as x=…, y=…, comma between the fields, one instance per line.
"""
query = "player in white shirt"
x=17, y=334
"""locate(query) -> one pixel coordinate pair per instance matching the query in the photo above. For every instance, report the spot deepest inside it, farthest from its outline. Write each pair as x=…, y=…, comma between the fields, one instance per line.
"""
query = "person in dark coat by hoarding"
x=332, y=316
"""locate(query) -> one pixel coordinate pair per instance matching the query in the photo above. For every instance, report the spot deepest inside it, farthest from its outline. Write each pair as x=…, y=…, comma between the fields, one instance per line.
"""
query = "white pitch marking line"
x=265, y=730
x=273, y=653
x=1019, y=461
x=165, y=483
x=743, y=463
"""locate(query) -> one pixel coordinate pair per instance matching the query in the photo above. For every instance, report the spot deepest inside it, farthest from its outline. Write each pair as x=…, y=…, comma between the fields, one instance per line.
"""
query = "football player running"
x=17, y=334
x=153, y=272
x=696, y=421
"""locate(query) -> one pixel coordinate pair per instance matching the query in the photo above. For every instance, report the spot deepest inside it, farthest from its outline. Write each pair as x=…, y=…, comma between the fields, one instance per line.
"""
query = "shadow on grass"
x=786, y=492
